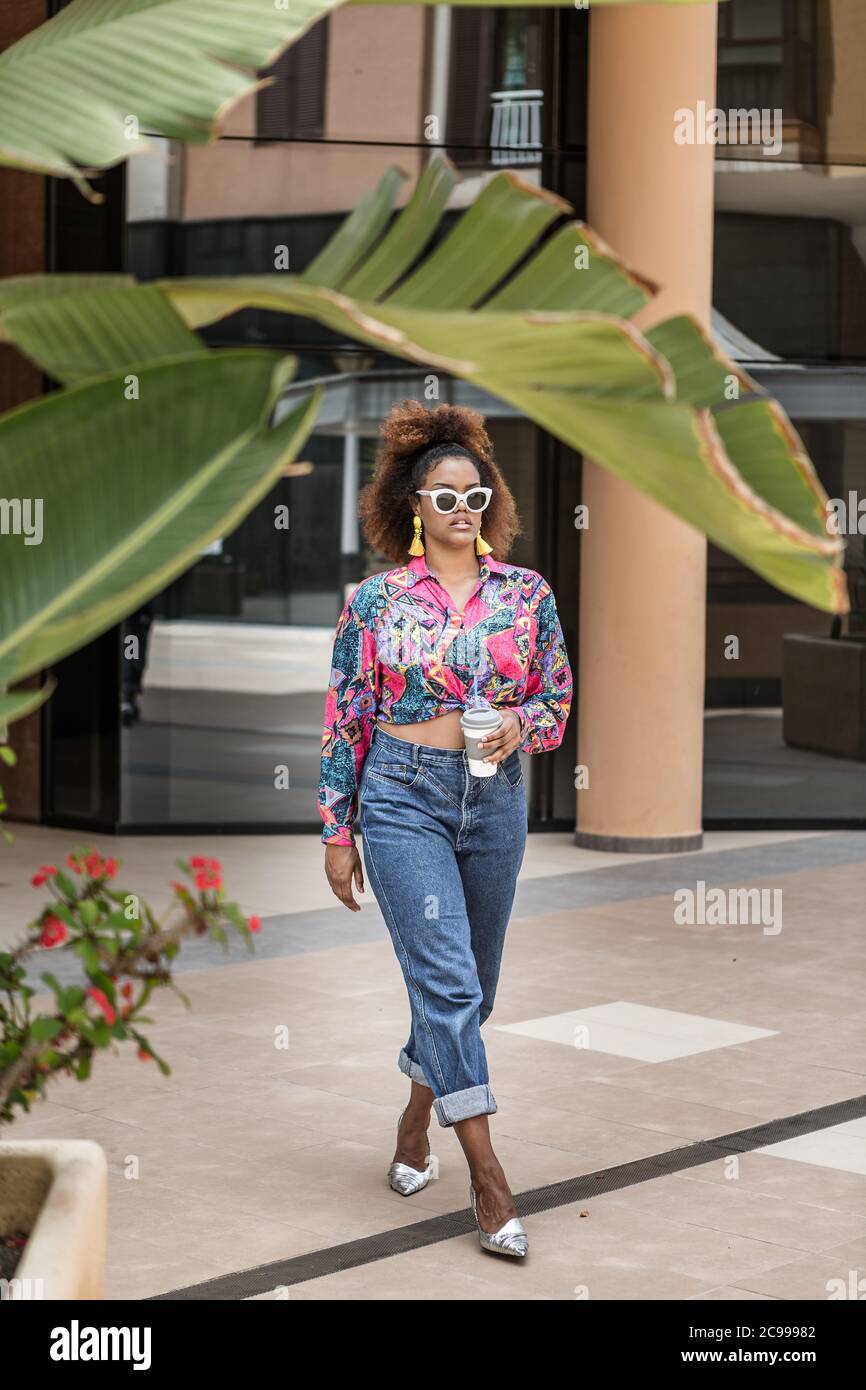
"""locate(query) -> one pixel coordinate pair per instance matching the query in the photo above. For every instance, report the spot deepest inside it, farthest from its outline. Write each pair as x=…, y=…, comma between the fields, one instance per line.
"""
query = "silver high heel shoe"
x=510, y=1239
x=404, y=1179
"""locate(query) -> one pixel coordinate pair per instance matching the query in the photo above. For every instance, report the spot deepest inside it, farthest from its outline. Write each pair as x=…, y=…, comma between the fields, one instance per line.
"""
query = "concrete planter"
x=824, y=694
x=55, y=1190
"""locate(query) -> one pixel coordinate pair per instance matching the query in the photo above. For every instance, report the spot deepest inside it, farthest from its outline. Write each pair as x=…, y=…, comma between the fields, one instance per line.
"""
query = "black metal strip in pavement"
x=316, y=1264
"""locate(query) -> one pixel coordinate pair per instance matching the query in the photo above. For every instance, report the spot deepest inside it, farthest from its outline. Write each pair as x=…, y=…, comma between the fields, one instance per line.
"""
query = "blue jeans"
x=442, y=851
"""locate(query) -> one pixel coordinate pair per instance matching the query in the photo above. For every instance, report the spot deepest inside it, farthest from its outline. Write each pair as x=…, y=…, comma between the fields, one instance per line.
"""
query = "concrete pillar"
x=643, y=571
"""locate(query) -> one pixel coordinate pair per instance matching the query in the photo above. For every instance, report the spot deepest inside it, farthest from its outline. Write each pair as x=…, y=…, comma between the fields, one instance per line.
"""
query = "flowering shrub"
x=125, y=954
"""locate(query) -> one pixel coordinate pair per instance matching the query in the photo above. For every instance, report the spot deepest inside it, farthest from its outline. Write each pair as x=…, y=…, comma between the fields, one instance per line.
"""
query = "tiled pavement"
x=618, y=1034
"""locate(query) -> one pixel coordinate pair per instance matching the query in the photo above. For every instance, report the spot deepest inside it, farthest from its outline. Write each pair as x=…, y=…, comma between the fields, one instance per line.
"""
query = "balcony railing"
x=515, y=128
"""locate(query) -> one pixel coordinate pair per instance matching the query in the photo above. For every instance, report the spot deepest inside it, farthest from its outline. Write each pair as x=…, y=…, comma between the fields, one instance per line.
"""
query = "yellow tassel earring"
x=417, y=546
x=481, y=546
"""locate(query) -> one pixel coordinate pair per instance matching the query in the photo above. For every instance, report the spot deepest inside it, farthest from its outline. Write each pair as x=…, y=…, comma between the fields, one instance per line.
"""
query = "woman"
x=452, y=625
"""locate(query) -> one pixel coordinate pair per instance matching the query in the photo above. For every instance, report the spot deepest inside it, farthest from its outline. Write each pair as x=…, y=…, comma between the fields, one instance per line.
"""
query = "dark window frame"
x=475, y=71
x=294, y=105
x=799, y=55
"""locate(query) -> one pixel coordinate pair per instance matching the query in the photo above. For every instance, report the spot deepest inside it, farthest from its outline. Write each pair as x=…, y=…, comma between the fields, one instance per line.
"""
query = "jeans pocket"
x=511, y=770
x=390, y=767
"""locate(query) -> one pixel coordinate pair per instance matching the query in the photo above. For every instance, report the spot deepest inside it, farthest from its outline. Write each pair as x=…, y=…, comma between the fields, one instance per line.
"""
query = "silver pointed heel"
x=510, y=1239
x=404, y=1179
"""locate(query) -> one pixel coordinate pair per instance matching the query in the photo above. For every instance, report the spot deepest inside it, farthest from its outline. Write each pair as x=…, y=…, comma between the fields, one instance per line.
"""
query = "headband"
x=432, y=453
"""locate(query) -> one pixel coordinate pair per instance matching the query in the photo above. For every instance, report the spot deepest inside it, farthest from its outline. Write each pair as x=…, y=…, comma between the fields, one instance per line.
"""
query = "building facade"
x=227, y=689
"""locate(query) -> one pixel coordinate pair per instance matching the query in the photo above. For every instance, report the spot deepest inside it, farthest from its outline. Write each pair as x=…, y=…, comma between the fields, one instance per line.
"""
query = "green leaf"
x=16, y=704
x=198, y=454
x=78, y=326
x=574, y=269
x=77, y=91
x=43, y=1029
x=88, y=955
x=704, y=375
x=65, y=884
x=104, y=982
x=488, y=240
x=411, y=231
x=361, y=230
x=235, y=916
x=516, y=319
x=88, y=911
x=607, y=391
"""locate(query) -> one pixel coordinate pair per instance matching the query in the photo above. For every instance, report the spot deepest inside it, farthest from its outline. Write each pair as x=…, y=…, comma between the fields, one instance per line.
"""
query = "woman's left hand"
x=504, y=740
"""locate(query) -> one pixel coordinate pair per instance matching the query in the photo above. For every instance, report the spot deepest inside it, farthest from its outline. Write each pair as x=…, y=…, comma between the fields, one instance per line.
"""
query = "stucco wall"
x=375, y=92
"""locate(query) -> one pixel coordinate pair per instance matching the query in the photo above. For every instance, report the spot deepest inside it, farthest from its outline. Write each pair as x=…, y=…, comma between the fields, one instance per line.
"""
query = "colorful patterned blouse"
x=403, y=652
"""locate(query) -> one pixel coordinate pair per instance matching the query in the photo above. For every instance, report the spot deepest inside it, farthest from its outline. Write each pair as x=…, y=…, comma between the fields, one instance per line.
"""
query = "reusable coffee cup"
x=475, y=723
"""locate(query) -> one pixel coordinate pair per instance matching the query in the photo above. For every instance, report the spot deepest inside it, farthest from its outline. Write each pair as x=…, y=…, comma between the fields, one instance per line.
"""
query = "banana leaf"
x=665, y=410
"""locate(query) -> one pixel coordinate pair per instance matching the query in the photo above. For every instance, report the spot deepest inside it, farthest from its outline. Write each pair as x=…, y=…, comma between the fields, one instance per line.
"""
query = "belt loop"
x=416, y=755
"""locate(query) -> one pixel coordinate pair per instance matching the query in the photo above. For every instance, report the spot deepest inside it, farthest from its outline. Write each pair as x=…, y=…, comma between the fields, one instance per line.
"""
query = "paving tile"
x=744, y=1212
x=839, y=1146
x=727, y=1294
x=251, y=1153
x=635, y=1030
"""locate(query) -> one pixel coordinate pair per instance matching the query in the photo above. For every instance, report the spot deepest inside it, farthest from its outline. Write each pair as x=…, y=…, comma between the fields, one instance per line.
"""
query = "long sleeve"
x=350, y=711
x=549, y=686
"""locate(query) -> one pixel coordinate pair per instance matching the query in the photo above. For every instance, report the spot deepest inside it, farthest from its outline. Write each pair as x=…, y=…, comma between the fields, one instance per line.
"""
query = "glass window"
x=755, y=19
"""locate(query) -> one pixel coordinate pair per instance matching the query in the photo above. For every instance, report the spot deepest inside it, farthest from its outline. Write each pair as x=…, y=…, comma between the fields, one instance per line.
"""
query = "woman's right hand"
x=342, y=864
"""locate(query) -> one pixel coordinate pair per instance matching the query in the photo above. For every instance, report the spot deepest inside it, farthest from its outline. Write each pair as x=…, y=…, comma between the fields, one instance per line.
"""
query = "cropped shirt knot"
x=404, y=652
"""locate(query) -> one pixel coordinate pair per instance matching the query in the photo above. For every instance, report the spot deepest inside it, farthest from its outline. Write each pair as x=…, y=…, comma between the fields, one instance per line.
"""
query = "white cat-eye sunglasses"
x=446, y=500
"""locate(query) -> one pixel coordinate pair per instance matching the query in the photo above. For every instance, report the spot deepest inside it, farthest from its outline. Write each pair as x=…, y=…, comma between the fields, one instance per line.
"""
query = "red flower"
x=103, y=1002
x=207, y=878
x=74, y=863
x=93, y=864
x=126, y=990
x=254, y=923
x=109, y=868
x=42, y=875
x=143, y=1054
x=53, y=932
x=199, y=862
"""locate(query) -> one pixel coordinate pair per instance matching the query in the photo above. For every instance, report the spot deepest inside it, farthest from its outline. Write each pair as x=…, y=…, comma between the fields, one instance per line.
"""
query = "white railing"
x=515, y=128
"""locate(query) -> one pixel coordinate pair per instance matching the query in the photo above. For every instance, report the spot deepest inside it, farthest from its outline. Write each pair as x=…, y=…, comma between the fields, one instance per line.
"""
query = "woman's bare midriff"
x=444, y=732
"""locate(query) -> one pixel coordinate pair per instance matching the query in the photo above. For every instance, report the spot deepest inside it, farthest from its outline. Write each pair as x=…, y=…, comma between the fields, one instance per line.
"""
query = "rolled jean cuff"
x=464, y=1105
x=412, y=1069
